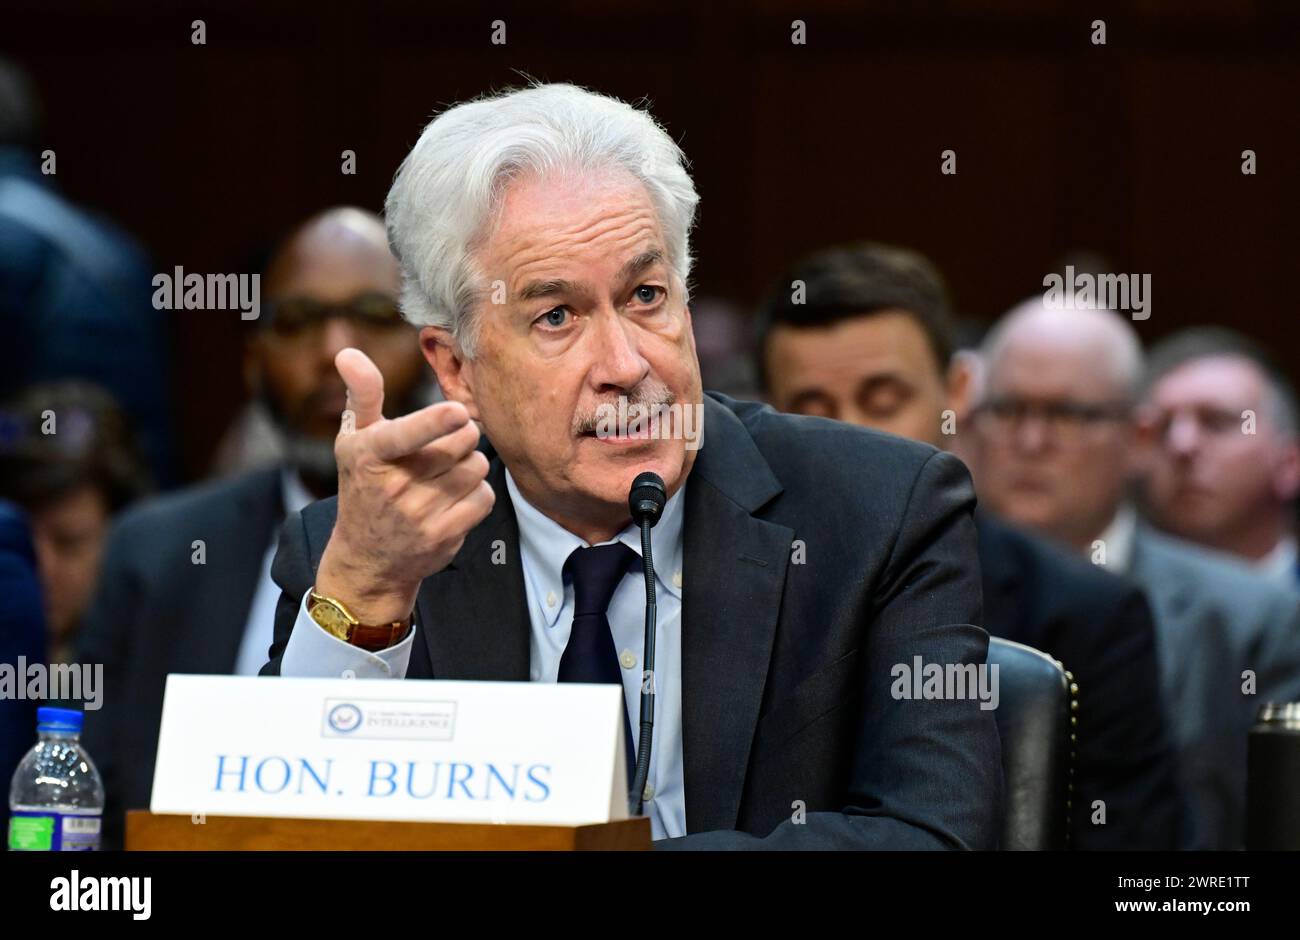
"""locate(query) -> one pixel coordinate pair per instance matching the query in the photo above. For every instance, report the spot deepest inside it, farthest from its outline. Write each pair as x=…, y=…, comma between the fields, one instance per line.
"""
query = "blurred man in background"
x=1056, y=435
x=1223, y=459
x=73, y=286
x=869, y=340
x=187, y=585
x=70, y=461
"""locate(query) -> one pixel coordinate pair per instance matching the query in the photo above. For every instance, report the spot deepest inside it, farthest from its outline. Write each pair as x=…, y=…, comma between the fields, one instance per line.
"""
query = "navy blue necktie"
x=590, y=655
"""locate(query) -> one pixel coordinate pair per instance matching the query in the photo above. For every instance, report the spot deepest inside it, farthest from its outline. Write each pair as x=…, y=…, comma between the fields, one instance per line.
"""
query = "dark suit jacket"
x=1219, y=622
x=22, y=634
x=154, y=611
x=1100, y=627
x=786, y=679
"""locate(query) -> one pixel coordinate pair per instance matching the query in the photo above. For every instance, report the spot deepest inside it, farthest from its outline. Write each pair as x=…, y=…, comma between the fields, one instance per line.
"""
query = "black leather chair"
x=1035, y=717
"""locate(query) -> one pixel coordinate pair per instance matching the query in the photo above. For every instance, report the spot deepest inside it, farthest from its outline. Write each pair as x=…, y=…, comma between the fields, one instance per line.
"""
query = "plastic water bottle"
x=56, y=799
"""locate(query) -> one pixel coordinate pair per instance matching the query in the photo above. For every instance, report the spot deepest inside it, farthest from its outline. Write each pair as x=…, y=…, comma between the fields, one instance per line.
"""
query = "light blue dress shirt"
x=544, y=546
x=259, y=631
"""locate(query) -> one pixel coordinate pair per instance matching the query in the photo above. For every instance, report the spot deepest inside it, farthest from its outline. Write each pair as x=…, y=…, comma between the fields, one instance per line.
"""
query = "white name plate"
x=504, y=752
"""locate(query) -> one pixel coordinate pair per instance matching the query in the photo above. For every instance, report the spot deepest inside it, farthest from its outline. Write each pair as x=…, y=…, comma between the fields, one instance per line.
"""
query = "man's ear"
x=455, y=372
x=961, y=383
x=1286, y=475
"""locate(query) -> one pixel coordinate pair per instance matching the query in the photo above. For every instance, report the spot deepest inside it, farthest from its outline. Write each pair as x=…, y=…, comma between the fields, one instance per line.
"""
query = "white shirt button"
x=550, y=598
x=628, y=659
x=649, y=792
x=677, y=579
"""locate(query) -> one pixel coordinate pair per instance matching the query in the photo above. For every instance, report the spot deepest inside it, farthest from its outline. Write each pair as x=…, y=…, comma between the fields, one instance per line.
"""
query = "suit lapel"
x=734, y=569
x=735, y=566
x=999, y=579
x=1166, y=585
x=212, y=636
x=491, y=642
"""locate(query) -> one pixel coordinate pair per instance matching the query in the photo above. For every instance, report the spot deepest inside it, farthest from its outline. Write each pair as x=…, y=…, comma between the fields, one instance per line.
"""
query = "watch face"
x=331, y=619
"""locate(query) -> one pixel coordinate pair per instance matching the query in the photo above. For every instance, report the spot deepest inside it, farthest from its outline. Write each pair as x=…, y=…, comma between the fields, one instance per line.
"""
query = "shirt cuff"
x=313, y=652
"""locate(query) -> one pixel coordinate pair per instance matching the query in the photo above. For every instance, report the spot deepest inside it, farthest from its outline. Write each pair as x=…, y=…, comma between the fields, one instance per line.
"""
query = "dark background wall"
x=1132, y=149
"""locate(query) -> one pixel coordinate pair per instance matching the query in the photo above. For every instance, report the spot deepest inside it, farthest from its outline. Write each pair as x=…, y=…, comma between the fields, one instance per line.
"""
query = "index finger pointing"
x=402, y=436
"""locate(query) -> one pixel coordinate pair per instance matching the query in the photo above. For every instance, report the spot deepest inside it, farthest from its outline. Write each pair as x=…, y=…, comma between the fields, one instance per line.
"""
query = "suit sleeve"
x=292, y=572
x=300, y=646
x=1127, y=767
x=106, y=637
x=926, y=773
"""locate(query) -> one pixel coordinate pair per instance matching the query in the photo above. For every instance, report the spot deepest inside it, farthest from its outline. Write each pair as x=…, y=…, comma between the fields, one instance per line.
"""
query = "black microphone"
x=646, y=500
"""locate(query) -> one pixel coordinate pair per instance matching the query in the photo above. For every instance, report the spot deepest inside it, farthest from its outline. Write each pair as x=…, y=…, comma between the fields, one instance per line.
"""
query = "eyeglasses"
x=303, y=319
x=1066, y=421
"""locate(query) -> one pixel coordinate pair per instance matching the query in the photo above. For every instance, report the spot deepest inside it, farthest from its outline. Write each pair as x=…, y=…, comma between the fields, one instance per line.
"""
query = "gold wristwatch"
x=338, y=621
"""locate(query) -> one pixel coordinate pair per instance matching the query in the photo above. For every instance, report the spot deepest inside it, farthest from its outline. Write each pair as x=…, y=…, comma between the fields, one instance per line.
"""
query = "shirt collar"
x=545, y=545
x=1117, y=539
x=1280, y=563
x=295, y=494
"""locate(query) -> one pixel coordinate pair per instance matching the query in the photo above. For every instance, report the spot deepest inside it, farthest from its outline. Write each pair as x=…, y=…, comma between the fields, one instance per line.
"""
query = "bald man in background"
x=870, y=341
x=1056, y=442
x=160, y=605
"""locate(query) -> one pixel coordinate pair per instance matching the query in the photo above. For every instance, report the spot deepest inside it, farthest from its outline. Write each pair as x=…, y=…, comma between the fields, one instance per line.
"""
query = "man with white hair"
x=544, y=242
x=1055, y=435
x=1223, y=456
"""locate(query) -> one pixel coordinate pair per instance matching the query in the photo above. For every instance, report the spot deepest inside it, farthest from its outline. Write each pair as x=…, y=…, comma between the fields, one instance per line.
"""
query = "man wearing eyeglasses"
x=869, y=340
x=1055, y=441
x=186, y=585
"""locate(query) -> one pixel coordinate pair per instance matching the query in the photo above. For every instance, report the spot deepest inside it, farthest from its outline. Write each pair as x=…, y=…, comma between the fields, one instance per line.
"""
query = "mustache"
x=649, y=394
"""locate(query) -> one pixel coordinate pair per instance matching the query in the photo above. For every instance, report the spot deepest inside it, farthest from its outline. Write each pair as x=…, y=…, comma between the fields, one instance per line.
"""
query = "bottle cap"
x=58, y=719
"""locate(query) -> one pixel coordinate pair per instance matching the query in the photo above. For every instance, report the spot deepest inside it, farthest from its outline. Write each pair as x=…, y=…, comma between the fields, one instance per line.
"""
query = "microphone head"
x=647, y=498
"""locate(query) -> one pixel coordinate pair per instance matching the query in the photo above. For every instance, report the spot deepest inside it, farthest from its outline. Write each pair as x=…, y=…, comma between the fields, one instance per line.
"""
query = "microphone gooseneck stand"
x=646, y=501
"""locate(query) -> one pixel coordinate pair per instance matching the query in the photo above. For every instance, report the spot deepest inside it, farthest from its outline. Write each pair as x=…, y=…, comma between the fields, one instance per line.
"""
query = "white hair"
x=448, y=189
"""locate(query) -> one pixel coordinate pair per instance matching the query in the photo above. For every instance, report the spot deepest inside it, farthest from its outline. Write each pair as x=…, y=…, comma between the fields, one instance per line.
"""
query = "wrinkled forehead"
x=568, y=224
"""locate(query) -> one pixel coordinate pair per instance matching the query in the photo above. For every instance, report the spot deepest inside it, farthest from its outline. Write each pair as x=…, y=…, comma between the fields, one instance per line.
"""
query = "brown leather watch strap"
x=373, y=639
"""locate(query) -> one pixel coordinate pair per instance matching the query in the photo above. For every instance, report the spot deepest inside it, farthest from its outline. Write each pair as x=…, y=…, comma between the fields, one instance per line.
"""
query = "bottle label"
x=53, y=832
